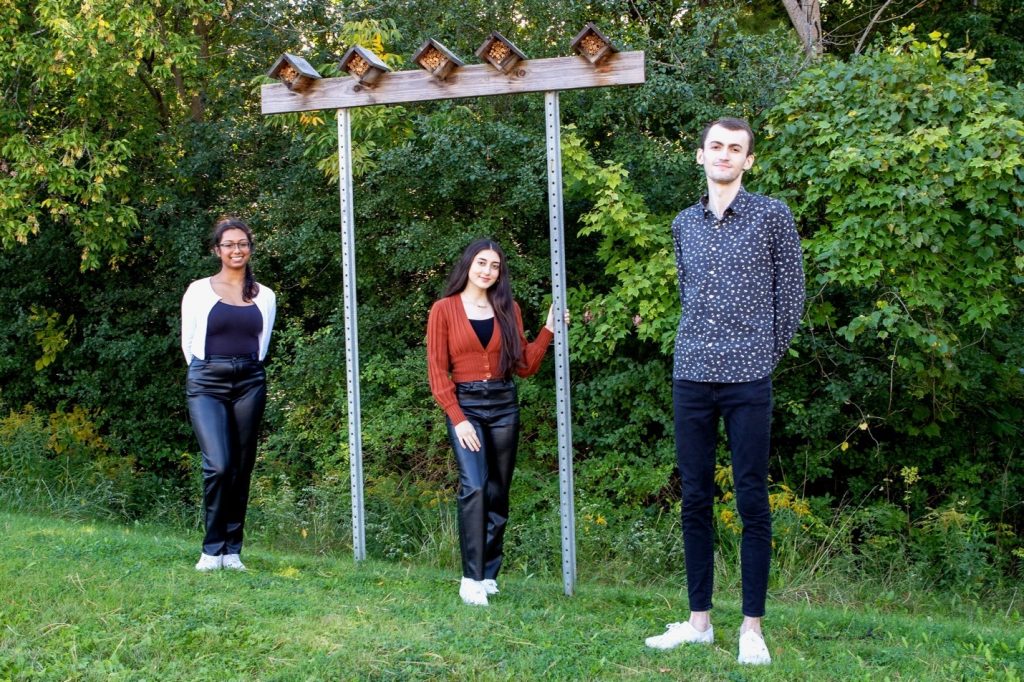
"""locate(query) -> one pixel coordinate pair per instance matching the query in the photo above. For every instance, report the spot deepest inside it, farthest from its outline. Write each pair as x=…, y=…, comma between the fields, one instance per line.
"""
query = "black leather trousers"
x=485, y=476
x=226, y=397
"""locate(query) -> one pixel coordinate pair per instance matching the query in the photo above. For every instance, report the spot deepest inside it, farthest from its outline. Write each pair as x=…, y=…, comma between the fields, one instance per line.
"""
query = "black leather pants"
x=485, y=476
x=226, y=397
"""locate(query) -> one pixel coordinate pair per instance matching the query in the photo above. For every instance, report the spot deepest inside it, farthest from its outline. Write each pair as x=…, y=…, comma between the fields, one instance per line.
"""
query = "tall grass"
x=97, y=601
x=871, y=548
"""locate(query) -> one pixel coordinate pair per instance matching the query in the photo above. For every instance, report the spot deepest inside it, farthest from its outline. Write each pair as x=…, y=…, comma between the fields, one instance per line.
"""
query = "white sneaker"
x=680, y=633
x=490, y=585
x=473, y=592
x=234, y=562
x=208, y=563
x=753, y=650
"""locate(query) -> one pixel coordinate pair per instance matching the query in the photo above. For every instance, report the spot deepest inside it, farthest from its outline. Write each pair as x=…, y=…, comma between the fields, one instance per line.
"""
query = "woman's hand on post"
x=550, y=323
x=467, y=436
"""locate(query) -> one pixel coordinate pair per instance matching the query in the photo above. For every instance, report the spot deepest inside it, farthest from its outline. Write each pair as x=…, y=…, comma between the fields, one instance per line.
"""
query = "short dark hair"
x=729, y=124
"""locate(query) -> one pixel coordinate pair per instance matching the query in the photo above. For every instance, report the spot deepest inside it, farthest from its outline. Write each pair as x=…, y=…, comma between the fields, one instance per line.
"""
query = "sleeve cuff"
x=455, y=414
x=545, y=336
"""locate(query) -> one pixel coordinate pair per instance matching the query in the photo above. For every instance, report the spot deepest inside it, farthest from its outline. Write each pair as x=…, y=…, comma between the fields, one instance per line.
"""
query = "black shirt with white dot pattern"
x=741, y=285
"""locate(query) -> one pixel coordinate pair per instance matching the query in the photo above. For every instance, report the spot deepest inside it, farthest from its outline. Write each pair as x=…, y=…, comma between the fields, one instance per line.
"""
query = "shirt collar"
x=736, y=207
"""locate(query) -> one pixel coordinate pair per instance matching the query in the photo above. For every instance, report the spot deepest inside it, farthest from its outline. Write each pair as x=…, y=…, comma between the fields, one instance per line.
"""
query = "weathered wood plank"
x=475, y=80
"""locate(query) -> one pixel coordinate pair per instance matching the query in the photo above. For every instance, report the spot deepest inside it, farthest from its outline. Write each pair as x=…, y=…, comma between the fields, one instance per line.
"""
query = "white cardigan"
x=196, y=305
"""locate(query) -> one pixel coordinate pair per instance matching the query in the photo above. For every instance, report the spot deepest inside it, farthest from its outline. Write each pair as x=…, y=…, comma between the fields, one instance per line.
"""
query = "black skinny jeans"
x=226, y=398
x=485, y=476
x=747, y=409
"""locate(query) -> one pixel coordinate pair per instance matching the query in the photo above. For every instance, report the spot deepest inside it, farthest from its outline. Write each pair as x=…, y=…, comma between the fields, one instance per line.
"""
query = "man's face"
x=724, y=155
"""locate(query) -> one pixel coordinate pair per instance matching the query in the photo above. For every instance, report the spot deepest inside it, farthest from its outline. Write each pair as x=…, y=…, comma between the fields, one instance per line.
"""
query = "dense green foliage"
x=904, y=168
x=993, y=28
x=125, y=131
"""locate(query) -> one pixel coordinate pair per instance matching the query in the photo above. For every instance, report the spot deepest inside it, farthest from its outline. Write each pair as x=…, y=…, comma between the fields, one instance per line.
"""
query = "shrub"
x=59, y=464
x=904, y=170
x=954, y=546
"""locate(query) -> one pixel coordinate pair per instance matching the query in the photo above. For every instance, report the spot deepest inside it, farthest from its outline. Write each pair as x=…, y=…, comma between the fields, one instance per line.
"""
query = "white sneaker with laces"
x=753, y=650
x=681, y=633
x=490, y=585
x=473, y=592
x=208, y=563
x=234, y=562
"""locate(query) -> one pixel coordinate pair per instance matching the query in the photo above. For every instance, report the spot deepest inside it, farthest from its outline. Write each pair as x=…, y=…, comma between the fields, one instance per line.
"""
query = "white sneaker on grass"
x=208, y=563
x=680, y=633
x=473, y=592
x=490, y=585
x=234, y=562
x=753, y=650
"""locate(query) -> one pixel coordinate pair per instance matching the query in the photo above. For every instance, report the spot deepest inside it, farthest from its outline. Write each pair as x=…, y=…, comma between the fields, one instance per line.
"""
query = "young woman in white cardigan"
x=226, y=322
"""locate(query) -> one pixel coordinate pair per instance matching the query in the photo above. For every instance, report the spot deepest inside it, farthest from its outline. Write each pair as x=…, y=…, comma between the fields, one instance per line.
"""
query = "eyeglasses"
x=230, y=246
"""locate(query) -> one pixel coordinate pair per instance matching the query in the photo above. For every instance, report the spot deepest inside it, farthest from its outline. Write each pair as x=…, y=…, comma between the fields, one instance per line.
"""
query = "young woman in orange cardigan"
x=475, y=344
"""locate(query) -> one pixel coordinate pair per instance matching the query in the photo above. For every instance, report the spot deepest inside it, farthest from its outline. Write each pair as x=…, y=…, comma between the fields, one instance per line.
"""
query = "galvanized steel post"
x=348, y=273
x=567, y=505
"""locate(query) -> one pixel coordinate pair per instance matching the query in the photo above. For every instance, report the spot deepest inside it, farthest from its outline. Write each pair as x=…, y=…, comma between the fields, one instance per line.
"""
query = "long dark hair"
x=249, y=288
x=500, y=296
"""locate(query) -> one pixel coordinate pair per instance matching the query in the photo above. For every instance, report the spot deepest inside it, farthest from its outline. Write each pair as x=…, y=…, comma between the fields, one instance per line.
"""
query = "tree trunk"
x=806, y=18
x=202, y=31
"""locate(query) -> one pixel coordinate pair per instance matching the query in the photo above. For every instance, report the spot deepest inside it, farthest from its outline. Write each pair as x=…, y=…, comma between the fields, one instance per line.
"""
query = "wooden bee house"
x=295, y=72
x=499, y=52
x=363, y=65
x=592, y=44
x=436, y=59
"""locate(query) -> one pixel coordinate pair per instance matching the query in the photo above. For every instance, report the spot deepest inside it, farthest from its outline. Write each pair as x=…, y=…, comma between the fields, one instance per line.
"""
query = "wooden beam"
x=475, y=80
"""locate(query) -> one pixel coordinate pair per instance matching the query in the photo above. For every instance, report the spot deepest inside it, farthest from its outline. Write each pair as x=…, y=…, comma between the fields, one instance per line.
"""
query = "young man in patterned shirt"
x=741, y=285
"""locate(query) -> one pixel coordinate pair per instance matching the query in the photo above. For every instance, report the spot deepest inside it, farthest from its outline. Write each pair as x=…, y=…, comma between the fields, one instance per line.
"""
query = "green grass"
x=86, y=601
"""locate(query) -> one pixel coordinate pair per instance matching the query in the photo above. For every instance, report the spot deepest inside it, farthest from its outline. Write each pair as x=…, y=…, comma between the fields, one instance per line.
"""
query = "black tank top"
x=484, y=330
x=233, y=329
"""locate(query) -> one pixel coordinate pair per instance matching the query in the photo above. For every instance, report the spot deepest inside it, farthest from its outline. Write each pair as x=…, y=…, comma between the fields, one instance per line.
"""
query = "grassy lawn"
x=88, y=601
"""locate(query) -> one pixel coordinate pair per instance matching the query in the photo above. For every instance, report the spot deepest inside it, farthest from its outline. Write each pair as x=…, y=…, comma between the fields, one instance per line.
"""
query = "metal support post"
x=348, y=263
x=567, y=504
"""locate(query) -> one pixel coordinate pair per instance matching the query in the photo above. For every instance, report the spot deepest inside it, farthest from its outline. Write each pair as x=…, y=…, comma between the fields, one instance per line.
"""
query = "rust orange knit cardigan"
x=455, y=355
